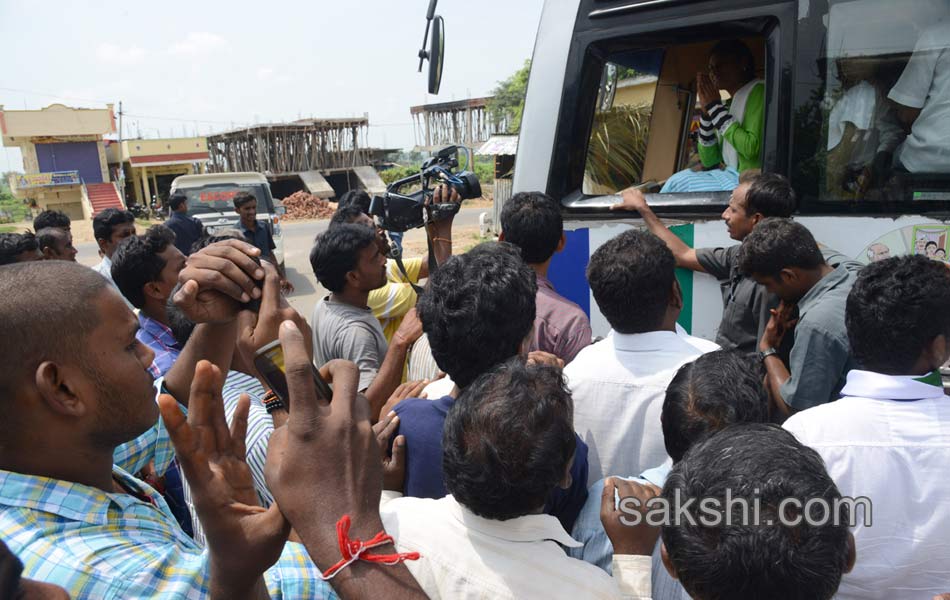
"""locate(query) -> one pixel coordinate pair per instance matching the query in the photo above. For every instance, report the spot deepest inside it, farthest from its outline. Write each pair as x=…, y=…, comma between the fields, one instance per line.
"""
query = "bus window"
x=882, y=111
x=618, y=140
x=649, y=128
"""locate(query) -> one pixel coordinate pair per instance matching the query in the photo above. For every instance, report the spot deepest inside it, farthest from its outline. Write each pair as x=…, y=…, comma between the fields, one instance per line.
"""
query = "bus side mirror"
x=436, y=54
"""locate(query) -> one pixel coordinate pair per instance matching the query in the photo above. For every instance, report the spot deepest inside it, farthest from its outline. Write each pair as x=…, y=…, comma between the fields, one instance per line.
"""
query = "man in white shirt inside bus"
x=922, y=95
x=888, y=437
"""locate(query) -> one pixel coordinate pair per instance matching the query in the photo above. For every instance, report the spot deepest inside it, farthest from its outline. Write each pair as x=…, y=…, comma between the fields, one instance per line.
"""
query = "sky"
x=185, y=67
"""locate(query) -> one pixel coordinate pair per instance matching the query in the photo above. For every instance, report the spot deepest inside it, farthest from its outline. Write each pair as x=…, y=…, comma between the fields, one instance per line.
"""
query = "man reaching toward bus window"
x=746, y=304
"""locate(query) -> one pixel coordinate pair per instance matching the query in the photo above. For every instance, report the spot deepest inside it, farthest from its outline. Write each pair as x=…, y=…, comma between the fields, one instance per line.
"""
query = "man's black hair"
x=107, y=220
x=12, y=245
x=716, y=390
x=345, y=214
x=219, y=235
x=136, y=262
x=48, y=236
x=532, y=221
x=176, y=200
x=927, y=245
x=776, y=244
x=51, y=218
x=508, y=440
x=897, y=307
x=737, y=50
x=771, y=195
x=768, y=559
x=47, y=313
x=358, y=198
x=478, y=309
x=631, y=277
x=337, y=252
x=242, y=198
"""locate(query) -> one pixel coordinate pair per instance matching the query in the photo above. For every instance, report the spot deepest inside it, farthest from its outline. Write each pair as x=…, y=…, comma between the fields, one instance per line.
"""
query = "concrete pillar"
x=154, y=185
x=146, y=194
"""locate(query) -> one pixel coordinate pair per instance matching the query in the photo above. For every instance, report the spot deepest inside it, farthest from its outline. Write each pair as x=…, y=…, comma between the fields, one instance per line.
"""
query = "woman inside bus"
x=730, y=134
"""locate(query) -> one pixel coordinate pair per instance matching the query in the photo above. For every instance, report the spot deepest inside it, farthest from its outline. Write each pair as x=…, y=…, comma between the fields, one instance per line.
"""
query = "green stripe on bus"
x=685, y=278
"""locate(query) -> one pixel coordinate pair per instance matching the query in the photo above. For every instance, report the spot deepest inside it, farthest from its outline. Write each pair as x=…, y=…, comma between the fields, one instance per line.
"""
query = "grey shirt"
x=745, y=304
x=821, y=355
x=344, y=331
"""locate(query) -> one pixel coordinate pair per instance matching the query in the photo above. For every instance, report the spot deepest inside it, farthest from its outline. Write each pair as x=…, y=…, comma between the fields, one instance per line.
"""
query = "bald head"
x=48, y=311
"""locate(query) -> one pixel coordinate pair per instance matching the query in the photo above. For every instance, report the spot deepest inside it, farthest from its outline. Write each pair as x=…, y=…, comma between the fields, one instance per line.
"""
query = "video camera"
x=399, y=212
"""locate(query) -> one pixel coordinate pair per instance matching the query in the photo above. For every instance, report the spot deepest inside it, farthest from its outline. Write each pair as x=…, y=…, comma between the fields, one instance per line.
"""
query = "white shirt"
x=467, y=557
x=888, y=439
x=925, y=84
x=618, y=386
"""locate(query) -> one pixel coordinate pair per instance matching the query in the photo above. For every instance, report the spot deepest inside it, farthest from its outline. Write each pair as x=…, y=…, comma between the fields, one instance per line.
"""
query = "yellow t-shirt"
x=391, y=302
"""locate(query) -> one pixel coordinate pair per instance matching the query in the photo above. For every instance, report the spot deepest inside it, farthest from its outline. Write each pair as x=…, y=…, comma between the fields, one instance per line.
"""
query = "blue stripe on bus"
x=569, y=267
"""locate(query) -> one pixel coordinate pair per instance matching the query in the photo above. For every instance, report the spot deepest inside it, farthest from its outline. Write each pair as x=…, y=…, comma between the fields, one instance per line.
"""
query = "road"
x=298, y=239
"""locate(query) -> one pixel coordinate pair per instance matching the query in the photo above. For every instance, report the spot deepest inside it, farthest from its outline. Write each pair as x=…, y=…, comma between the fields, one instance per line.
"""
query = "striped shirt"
x=152, y=446
x=260, y=426
x=108, y=545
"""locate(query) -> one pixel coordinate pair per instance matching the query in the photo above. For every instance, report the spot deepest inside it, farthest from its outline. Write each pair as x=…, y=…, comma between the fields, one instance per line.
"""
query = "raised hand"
x=325, y=463
x=260, y=329
x=633, y=200
x=244, y=539
x=410, y=329
x=706, y=90
x=538, y=357
x=783, y=320
x=627, y=527
x=217, y=279
x=394, y=466
x=410, y=389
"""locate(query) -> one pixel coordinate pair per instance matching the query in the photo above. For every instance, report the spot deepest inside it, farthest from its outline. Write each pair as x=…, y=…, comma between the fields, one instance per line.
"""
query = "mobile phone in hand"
x=269, y=361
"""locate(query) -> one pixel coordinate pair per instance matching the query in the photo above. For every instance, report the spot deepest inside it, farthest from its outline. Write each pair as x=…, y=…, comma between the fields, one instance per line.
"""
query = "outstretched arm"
x=634, y=200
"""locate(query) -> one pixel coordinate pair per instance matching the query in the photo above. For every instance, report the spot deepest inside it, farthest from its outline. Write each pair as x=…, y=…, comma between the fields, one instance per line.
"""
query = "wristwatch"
x=767, y=353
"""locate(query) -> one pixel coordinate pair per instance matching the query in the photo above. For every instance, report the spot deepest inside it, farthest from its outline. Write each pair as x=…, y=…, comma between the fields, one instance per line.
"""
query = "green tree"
x=507, y=104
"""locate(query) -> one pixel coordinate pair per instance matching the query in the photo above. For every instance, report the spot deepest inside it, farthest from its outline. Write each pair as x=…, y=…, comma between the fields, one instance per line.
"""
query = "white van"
x=210, y=201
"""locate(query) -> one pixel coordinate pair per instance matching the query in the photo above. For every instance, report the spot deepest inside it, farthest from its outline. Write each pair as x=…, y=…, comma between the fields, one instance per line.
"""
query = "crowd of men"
x=477, y=441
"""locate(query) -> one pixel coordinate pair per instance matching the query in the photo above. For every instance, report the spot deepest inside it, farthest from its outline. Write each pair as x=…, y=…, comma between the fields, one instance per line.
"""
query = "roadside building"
x=146, y=168
x=64, y=159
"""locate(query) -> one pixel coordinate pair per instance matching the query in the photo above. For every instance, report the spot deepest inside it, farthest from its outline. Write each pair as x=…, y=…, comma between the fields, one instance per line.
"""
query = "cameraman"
x=396, y=297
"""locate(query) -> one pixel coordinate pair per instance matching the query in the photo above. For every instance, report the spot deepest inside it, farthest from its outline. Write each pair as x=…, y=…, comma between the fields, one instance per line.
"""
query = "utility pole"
x=121, y=160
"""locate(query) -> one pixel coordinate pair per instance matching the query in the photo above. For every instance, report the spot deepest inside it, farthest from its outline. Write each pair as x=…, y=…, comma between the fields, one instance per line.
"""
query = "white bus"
x=612, y=102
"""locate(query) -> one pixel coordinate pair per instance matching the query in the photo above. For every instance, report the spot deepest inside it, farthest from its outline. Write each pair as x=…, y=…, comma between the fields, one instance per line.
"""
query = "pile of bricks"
x=301, y=205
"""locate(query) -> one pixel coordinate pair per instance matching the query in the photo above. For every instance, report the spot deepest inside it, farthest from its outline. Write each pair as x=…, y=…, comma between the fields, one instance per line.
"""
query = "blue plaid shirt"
x=108, y=545
x=159, y=338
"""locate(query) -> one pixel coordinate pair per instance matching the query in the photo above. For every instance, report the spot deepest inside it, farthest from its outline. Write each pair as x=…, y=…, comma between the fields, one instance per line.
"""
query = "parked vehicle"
x=210, y=201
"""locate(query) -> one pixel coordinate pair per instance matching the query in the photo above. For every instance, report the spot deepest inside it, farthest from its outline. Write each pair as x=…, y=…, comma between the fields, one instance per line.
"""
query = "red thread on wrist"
x=354, y=550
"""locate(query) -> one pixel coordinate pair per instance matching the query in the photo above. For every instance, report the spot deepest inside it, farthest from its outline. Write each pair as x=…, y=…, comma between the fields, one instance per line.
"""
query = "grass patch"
x=8, y=229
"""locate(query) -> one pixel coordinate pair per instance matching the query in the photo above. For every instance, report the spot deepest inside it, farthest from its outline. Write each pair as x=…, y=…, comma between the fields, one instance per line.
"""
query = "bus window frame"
x=595, y=40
